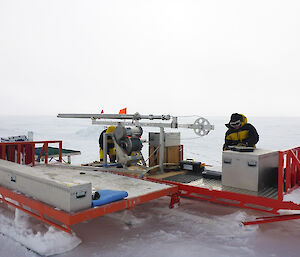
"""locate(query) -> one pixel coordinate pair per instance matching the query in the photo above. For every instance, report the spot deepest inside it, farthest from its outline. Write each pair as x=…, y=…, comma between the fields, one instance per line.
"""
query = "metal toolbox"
x=171, y=139
x=69, y=196
x=250, y=170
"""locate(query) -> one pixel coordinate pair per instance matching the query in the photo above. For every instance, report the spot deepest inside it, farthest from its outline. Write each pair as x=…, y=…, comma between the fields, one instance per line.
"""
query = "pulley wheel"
x=201, y=126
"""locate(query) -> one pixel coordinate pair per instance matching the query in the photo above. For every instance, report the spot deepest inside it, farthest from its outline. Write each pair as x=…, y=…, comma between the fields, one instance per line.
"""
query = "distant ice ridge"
x=40, y=238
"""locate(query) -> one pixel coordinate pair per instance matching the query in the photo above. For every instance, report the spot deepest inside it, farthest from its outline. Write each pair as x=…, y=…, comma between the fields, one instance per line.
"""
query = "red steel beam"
x=120, y=205
x=3, y=151
x=26, y=142
x=59, y=217
x=60, y=151
x=298, y=168
x=277, y=218
x=46, y=152
x=19, y=153
x=41, y=208
x=280, y=175
x=229, y=198
x=33, y=154
x=288, y=172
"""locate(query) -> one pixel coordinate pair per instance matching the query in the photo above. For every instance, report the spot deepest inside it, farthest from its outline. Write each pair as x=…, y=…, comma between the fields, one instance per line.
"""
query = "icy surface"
x=196, y=228
x=40, y=238
x=294, y=196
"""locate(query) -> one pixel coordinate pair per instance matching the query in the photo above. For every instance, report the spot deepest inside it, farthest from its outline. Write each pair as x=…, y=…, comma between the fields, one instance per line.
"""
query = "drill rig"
x=128, y=132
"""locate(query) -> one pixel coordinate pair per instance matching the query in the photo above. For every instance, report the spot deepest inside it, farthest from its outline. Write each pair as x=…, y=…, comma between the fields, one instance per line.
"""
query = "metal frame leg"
x=162, y=149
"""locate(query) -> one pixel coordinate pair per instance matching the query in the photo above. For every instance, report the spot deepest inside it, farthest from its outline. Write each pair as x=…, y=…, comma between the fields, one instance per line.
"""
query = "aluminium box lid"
x=256, y=152
x=37, y=174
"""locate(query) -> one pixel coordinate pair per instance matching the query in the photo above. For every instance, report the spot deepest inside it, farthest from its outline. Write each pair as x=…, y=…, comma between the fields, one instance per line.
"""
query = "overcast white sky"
x=181, y=57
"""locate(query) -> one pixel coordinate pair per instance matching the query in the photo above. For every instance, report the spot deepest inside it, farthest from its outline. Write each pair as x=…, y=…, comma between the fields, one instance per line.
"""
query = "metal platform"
x=100, y=180
x=53, y=152
x=269, y=200
x=60, y=177
x=197, y=180
x=270, y=192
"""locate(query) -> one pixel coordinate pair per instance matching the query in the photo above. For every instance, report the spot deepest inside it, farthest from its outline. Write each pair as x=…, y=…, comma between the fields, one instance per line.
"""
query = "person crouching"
x=240, y=132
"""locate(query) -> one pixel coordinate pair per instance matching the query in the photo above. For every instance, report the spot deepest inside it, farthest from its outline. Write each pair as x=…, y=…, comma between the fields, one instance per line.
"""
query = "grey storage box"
x=171, y=139
x=69, y=196
x=250, y=170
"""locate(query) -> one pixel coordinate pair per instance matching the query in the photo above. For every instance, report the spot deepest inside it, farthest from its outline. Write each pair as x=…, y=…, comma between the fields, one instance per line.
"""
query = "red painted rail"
x=288, y=171
x=63, y=220
x=288, y=180
x=23, y=152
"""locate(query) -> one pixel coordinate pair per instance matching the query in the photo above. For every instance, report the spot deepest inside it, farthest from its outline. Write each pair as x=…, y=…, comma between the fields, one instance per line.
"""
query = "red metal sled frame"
x=63, y=220
x=288, y=180
x=19, y=145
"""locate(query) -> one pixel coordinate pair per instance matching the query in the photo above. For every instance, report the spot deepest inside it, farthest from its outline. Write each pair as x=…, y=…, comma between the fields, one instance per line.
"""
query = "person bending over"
x=111, y=151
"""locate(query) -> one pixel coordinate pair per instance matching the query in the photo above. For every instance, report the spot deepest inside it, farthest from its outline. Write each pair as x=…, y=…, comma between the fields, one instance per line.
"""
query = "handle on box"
x=227, y=161
x=252, y=163
x=80, y=194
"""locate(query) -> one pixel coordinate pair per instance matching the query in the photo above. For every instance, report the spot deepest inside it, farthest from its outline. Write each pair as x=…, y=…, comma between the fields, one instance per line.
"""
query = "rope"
x=152, y=153
x=187, y=116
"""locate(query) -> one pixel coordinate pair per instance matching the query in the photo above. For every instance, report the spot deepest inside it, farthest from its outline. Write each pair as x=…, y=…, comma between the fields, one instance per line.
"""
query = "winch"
x=128, y=138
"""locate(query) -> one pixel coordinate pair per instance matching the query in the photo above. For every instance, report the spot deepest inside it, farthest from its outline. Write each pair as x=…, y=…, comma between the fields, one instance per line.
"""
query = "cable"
x=152, y=153
x=187, y=116
x=190, y=138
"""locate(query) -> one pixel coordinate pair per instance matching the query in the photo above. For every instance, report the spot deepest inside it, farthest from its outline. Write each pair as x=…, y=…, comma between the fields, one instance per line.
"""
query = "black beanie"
x=235, y=117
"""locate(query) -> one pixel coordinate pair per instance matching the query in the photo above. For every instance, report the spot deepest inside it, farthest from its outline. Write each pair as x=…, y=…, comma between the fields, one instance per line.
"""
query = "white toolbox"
x=70, y=196
x=250, y=170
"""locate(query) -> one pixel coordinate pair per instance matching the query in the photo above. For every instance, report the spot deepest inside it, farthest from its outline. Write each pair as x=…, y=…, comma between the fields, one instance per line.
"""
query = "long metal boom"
x=152, y=124
x=201, y=126
x=135, y=116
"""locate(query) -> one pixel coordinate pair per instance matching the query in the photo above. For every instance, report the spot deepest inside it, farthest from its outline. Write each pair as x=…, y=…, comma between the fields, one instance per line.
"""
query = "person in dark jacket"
x=240, y=132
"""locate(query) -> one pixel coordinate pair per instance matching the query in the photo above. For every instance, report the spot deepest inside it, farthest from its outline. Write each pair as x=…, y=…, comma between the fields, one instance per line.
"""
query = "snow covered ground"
x=196, y=228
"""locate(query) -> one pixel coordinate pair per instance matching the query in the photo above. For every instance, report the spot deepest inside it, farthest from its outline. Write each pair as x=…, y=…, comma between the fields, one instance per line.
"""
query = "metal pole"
x=33, y=154
x=280, y=175
x=298, y=169
x=135, y=116
x=46, y=152
x=3, y=151
x=60, y=151
x=19, y=153
x=161, y=149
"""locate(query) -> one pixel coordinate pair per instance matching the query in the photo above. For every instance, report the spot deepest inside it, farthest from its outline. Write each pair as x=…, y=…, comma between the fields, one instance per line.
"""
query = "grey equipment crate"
x=171, y=139
x=68, y=196
x=249, y=170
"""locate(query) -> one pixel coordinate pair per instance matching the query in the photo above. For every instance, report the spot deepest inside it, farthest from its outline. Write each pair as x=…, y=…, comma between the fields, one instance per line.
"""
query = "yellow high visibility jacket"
x=246, y=134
